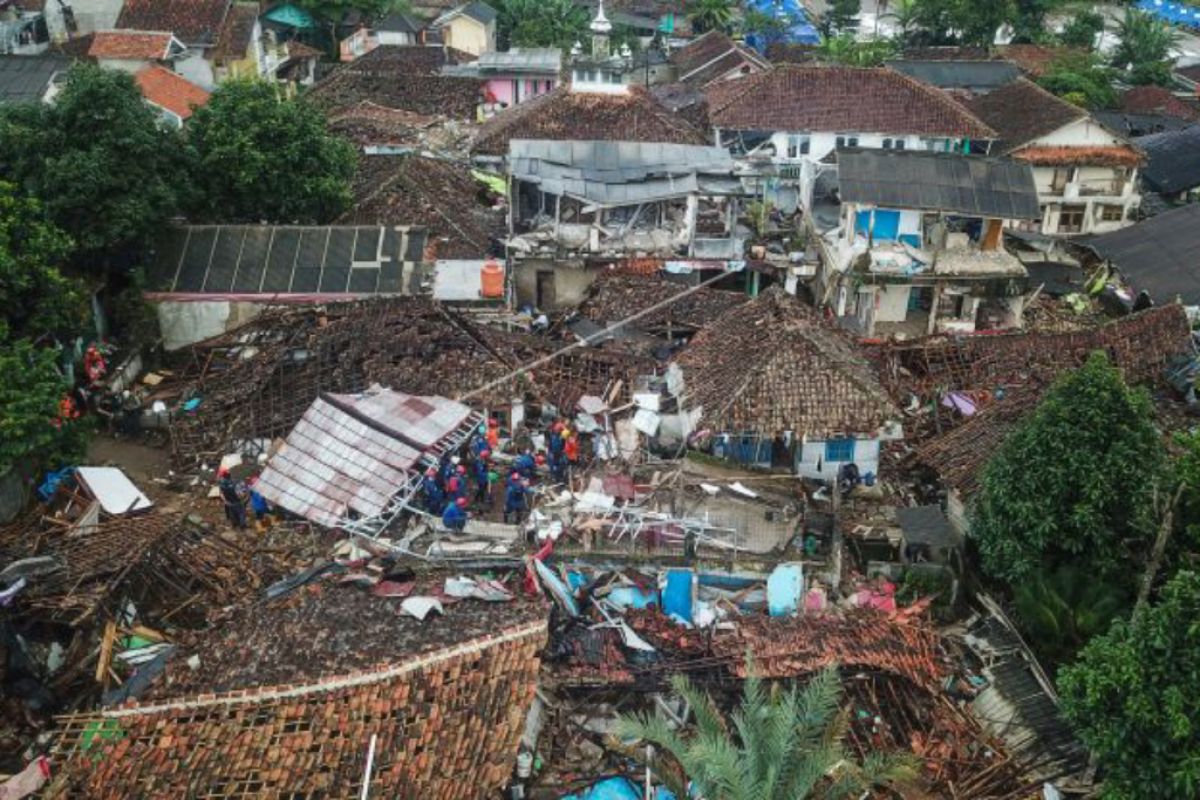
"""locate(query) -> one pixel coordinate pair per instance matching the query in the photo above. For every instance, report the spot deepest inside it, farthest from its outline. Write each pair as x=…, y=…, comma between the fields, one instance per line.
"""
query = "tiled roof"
x=1157, y=100
x=1173, y=160
x=298, y=49
x=564, y=114
x=194, y=22
x=835, y=98
x=367, y=124
x=406, y=77
x=237, y=32
x=1025, y=365
x=167, y=90
x=26, y=79
x=615, y=296
x=130, y=45
x=773, y=365
x=446, y=721
x=1021, y=112
x=1032, y=59
x=440, y=196
x=1093, y=155
x=792, y=53
x=710, y=56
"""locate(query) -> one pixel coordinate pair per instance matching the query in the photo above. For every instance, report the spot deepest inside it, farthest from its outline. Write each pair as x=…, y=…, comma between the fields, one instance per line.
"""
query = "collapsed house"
x=771, y=384
x=582, y=202
x=919, y=245
x=404, y=77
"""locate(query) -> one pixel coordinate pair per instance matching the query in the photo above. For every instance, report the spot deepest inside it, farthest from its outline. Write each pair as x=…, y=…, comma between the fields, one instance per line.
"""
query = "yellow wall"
x=468, y=35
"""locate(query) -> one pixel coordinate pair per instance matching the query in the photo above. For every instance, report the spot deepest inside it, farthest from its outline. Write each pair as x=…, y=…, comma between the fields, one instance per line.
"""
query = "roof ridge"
x=940, y=96
x=1080, y=111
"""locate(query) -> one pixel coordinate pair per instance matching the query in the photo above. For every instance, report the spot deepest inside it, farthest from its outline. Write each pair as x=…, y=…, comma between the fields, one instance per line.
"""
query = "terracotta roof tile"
x=712, y=55
x=773, y=365
x=791, y=97
x=1032, y=59
x=1114, y=156
x=195, y=22
x=1157, y=100
x=406, y=77
x=167, y=90
x=236, y=34
x=1021, y=112
x=130, y=45
x=615, y=296
x=564, y=114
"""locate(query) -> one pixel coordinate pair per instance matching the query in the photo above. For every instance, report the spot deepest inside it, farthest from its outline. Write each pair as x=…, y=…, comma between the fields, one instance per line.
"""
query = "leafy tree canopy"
x=1082, y=29
x=711, y=15
x=1061, y=610
x=29, y=396
x=335, y=10
x=840, y=18
x=1073, y=481
x=1082, y=79
x=37, y=299
x=105, y=171
x=1144, y=45
x=783, y=744
x=846, y=49
x=262, y=158
x=1134, y=697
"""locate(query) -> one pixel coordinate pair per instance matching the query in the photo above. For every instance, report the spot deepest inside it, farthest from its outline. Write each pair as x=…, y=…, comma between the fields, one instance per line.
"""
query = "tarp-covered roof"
x=1160, y=255
x=982, y=187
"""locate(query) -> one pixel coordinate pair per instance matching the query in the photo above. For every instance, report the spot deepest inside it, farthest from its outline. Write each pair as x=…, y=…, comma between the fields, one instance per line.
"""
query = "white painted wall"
x=892, y=303
x=124, y=65
x=195, y=66
x=1079, y=133
x=185, y=323
x=811, y=462
x=90, y=16
x=822, y=143
x=394, y=37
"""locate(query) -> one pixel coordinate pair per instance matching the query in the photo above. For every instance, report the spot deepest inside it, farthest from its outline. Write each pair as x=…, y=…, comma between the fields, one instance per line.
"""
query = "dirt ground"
x=148, y=464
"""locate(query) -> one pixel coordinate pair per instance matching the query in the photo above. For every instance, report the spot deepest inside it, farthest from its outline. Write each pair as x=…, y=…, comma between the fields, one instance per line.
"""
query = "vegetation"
x=30, y=435
x=1073, y=482
x=1080, y=78
x=1144, y=45
x=1082, y=29
x=262, y=158
x=39, y=301
x=783, y=744
x=841, y=18
x=845, y=49
x=332, y=12
x=1061, y=610
x=906, y=15
x=104, y=170
x=961, y=21
x=1134, y=697
x=711, y=15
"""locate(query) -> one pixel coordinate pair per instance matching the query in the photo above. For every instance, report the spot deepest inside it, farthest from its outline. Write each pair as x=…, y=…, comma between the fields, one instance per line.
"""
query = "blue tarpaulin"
x=1177, y=13
x=618, y=789
x=679, y=595
x=798, y=29
x=53, y=479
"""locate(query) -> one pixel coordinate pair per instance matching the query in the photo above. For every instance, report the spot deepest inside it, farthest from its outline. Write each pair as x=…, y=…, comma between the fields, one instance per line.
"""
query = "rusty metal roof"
x=350, y=454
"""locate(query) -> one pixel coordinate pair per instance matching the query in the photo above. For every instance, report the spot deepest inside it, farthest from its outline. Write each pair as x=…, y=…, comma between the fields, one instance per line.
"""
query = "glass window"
x=839, y=450
x=887, y=144
x=900, y=144
x=840, y=142
x=798, y=146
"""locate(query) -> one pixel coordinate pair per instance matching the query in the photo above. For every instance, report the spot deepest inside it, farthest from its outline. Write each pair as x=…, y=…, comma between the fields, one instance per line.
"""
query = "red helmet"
x=493, y=423
x=431, y=472
x=222, y=472
x=514, y=475
x=452, y=484
x=485, y=454
x=461, y=502
x=541, y=459
x=462, y=470
x=558, y=426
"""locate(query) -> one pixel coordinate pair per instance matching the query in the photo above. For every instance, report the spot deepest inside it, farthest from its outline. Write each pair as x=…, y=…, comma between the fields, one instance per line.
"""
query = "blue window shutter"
x=839, y=450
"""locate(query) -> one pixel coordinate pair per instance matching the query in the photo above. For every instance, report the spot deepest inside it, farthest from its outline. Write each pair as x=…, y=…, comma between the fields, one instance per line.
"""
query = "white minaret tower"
x=601, y=28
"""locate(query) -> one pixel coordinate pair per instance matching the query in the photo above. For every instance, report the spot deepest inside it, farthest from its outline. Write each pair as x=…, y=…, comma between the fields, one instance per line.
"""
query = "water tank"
x=492, y=279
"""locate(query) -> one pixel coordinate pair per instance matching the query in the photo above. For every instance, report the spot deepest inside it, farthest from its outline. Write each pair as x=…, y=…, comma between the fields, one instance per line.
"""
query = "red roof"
x=167, y=90
x=1157, y=100
x=130, y=45
x=793, y=97
x=195, y=22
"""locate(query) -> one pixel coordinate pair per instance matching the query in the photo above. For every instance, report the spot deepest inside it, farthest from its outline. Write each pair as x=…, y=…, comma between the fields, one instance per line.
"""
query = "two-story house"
x=512, y=76
x=792, y=118
x=1086, y=174
x=196, y=23
x=919, y=245
x=470, y=27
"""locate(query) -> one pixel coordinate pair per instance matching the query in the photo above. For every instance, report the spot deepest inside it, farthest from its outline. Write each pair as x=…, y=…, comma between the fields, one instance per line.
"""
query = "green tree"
x=332, y=12
x=961, y=21
x=906, y=15
x=29, y=396
x=845, y=49
x=38, y=300
x=1082, y=29
x=1144, y=45
x=782, y=745
x=842, y=17
x=1080, y=78
x=262, y=158
x=1061, y=610
x=711, y=15
x=1134, y=697
x=1074, y=480
x=1029, y=19
x=104, y=169
x=769, y=25
x=543, y=23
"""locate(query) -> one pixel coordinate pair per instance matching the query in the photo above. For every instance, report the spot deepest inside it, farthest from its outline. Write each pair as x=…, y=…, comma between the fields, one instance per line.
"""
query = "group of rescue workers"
x=446, y=487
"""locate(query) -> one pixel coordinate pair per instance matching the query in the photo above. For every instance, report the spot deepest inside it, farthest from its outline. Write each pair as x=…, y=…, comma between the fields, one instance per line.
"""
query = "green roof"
x=290, y=15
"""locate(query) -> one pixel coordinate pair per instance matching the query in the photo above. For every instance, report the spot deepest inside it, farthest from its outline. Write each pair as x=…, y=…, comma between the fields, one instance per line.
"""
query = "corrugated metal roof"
x=959, y=74
x=1160, y=255
x=970, y=185
x=540, y=59
x=350, y=454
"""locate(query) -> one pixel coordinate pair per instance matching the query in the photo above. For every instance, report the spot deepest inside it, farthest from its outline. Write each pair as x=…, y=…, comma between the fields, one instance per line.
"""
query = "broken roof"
x=351, y=454
x=565, y=115
x=1160, y=255
x=927, y=525
x=621, y=173
x=406, y=77
x=1172, y=160
x=237, y=34
x=370, y=125
x=615, y=296
x=133, y=45
x=712, y=55
x=773, y=365
x=1157, y=100
x=285, y=259
x=440, y=196
x=974, y=76
x=1022, y=112
x=1068, y=155
x=195, y=22
x=167, y=90
x=956, y=184
x=792, y=97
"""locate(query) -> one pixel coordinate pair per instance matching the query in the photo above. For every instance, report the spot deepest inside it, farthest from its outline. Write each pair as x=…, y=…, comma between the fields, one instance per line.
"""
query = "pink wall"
x=502, y=88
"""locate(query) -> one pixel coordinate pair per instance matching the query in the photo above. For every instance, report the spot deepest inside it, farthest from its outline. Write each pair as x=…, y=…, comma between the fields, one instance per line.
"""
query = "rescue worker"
x=493, y=435
x=525, y=464
x=455, y=516
x=94, y=366
x=571, y=447
x=479, y=441
x=261, y=508
x=555, y=443
x=514, y=499
x=482, y=469
x=235, y=507
x=435, y=498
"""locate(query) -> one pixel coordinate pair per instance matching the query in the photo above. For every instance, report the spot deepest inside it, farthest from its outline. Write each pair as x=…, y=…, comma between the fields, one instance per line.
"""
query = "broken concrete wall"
x=185, y=323
x=562, y=284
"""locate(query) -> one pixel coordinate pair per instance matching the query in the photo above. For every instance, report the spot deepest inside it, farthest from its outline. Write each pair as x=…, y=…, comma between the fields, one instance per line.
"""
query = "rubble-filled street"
x=606, y=400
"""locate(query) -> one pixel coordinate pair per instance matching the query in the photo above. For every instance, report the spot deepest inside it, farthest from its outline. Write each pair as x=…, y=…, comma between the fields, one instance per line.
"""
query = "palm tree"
x=1061, y=610
x=905, y=15
x=782, y=744
x=1144, y=45
x=711, y=15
